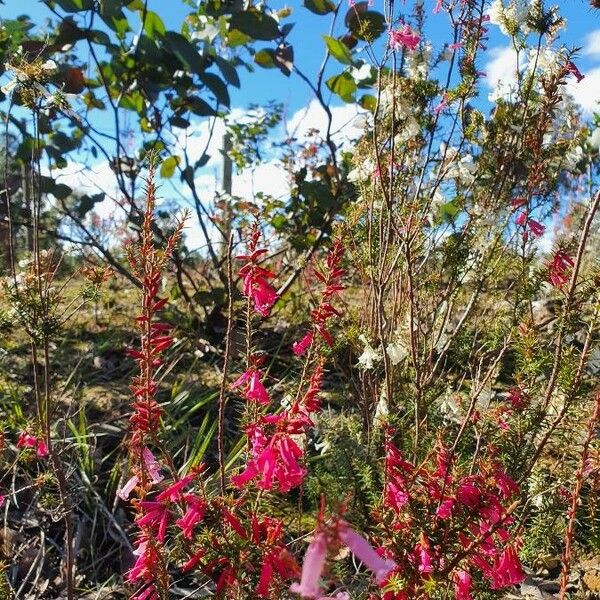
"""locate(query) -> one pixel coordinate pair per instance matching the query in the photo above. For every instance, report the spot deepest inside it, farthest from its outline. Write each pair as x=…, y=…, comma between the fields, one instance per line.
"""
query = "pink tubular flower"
x=361, y=548
x=2, y=499
x=26, y=440
x=275, y=460
x=507, y=569
x=254, y=389
x=124, y=492
x=468, y=493
x=256, y=278
x=424, y=553
x=442, y=105
x=312, y=567
x=527, y=222
x=152, y=465
x=462, y=585
x=196, y=509
x=445, y=509
x=404, y=37
x=155, y=516
x=505, y=484
x=258, y=288
x=148, y=593
x=41, y=449
x=571, y=68
x=173, y=492
x=301, y=346
x=536, y=228
x=559, y=270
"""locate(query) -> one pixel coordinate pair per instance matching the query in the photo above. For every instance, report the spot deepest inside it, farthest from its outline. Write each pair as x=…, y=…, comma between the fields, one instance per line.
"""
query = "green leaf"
x=153, y=25
x=87, y=203
x=368, y=102
x=113, y=16
x=75, y=5
x=199, y=107
x=185, y=52
x=448, y=211
x=338, y=50
x=257, y=25
x=343, y=85
x=265, y=58
x=228, y=71
x=319, y=7
x=168, y=166
x=217, y=87
x=61, y=191
x=365, y=24
x=237, y=38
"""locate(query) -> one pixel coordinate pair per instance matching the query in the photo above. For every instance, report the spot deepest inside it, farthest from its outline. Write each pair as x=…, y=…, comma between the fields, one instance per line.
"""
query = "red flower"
x=559, y=270
x=507, y=569
x=256, y=278
x=254, y=390
x=462, y=584
x=26, y=440
x=274, y=461
x=196, y=509
x=571, y=68
x=404, y=37
x=301, y=346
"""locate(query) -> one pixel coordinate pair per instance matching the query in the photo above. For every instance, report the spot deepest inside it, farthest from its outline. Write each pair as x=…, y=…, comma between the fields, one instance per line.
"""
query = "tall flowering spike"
x=147, y=263
x=255, y=278
x=312, y=568
x=330, y=277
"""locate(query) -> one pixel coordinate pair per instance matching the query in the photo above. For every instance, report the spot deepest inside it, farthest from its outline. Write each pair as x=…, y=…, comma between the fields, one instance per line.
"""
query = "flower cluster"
x=330, y=277
x=404, y=38
x=559, y=268
x=28, y=441
x=465, y=528
x=256, y=278
x=275, y=455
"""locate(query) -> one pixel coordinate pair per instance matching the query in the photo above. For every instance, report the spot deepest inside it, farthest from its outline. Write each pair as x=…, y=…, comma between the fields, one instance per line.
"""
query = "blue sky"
x=264, y=85
x=583, y=29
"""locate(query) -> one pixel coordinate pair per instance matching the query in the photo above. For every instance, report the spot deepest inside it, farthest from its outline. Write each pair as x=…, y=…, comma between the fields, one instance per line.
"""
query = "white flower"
x=448, y=406
x=381, y=409
x=49, y=66
x=396, y=351
x=463, y=170
x=594, y=139
x=573, y=157
x=418, y=62
x=511, y=17
x=362, y=171
x=361, y=73
x=369, y=356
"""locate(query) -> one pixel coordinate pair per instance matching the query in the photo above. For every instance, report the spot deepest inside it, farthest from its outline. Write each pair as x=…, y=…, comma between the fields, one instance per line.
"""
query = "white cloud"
x=586, y=93
x=502, y=66
x=270, y=177
x=313, y=116
x=591, y=46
